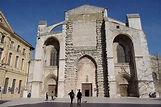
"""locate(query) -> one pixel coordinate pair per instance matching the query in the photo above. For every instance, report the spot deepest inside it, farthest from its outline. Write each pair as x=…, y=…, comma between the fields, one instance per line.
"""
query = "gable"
x=86, y=9
x=4, y=22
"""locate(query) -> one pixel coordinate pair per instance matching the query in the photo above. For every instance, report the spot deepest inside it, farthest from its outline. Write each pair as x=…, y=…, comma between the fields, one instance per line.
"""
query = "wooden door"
x=52, y=88
x=123, y=90
x=87, y=89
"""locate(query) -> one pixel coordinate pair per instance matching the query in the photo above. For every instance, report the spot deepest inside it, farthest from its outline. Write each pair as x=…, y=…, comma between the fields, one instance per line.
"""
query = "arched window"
x=1, y=50
x=11, y=44
x=120, y=54
x=19, y=86
x=51, y=51
x=23, y=53
x=53, y=57
x=22, y=64
x=16, y=62
x=9, y=58
x=5, y=86
x=2, y=38
x=18, y=48
x=13, y=86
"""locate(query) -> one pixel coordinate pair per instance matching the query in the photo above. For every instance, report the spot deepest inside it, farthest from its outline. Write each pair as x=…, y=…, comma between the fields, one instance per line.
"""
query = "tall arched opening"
x=86, y=76
x=124, y=60
x=51, y=65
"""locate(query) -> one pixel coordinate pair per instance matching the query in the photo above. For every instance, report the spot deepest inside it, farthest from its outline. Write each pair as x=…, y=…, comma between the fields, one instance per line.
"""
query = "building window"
x=11, y=44
x=16, y=62
x=1, y=20
x=19, y=86
x=2, y=38
x=22, y=63
x=13, y=86
x=120, y=54
x=10, y=58
x=18, y=48
x=23, y=53
x=1, y=50
x=5, y=86
x=53, y=57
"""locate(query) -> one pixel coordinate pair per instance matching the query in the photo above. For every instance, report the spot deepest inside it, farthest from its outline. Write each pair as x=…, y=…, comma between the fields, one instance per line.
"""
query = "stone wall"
x=156, y=72
x=91, y=43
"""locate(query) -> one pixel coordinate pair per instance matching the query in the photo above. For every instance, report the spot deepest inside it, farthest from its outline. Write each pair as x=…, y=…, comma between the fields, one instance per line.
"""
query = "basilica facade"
x=94, y=53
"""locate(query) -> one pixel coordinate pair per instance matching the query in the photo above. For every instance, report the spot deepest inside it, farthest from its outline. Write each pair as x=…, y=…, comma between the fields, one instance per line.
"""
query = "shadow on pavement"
x=158, y=99
x=3, y=101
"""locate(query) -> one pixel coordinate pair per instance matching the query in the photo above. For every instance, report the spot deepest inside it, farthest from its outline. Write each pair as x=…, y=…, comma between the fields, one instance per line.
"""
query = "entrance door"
x=87, y=89
x=52, y=88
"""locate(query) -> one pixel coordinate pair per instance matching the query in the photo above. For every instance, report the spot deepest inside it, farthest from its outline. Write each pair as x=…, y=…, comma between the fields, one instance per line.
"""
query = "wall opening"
x=86, y=76
x=124, y=60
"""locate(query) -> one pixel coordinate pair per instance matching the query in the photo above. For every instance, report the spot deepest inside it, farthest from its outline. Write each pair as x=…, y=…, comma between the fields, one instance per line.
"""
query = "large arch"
x=51, y=51
x=51, y=41
x=87, y=76
x=51, y=65
x=124, y=59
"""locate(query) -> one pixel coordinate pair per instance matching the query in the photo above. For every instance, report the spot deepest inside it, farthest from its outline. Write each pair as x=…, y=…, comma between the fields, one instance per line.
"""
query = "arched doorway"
x=86, y=76
x=124, y=60
x=50, y=84
x=123, y=84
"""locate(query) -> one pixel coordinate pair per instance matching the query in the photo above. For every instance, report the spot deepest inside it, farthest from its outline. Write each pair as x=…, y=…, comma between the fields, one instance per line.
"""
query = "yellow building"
x=15, y=55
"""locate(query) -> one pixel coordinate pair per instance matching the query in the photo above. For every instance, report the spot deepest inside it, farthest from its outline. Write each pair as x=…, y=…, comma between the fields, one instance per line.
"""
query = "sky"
x=24, y=15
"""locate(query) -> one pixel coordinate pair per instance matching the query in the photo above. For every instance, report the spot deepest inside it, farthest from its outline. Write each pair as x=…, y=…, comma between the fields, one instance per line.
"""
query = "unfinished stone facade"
x=94, y=53
x=156, y=72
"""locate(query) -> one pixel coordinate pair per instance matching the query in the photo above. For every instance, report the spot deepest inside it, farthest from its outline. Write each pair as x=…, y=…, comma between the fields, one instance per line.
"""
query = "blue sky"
x=24, y=15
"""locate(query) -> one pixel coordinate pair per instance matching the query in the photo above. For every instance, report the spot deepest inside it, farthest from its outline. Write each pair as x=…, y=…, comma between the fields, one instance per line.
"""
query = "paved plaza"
x=86, y=102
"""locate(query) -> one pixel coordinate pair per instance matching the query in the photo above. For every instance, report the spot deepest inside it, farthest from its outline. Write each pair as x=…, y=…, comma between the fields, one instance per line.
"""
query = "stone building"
x=94, y=53
x=14, y=61
x=156, y=72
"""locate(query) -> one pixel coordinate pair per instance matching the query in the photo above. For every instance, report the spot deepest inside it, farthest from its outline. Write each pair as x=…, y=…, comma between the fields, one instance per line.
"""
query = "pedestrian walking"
x=47, y=96
x=52, y=95
x=79, y=96
x=71, y=94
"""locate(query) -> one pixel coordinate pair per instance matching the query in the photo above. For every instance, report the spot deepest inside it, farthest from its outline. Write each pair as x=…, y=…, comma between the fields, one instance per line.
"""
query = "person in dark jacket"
x=47, y=96
x=52, y=95
x=79, y=96
x=71, y=94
